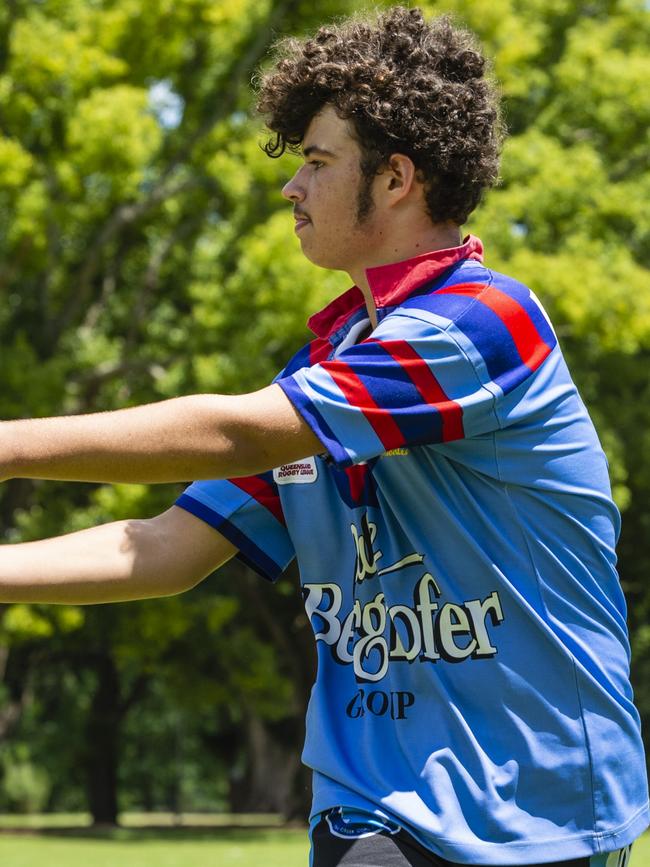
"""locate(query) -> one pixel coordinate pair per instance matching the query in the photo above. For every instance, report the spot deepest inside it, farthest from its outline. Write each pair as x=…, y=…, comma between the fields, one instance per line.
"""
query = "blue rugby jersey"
x=456, y=548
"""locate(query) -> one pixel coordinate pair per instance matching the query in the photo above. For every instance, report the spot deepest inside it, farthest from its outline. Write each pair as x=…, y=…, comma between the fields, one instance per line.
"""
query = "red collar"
x=392, y=284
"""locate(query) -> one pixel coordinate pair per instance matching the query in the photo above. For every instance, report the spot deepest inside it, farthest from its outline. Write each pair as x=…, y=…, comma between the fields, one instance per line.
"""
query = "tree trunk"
x=269, y=782
x=102, y=735
x=18, y=693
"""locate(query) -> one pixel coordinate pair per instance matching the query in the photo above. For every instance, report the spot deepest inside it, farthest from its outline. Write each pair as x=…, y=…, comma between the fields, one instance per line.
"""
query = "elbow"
x=156, y=570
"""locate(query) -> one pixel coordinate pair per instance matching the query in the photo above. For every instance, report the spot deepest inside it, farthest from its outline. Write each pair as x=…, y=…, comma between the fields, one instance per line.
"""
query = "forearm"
x=111, y=563
x=114, y=562
x=199, y=436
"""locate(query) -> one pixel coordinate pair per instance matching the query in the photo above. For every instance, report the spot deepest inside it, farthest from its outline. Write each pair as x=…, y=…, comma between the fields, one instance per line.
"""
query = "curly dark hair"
x=406, y=86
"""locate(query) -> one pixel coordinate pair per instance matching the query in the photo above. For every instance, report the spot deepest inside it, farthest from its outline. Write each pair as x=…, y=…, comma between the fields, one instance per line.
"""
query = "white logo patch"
x=303, y=472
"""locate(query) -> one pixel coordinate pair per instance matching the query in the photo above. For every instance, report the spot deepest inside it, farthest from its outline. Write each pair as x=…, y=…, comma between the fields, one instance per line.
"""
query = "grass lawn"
x=180, y=847
x=160, y=848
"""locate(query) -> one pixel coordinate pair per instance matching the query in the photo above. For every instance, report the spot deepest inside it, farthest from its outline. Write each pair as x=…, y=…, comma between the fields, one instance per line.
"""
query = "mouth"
x=301, y=221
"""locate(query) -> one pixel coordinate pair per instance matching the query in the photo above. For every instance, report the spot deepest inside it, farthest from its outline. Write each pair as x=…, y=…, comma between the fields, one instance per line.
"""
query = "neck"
x=403, y=245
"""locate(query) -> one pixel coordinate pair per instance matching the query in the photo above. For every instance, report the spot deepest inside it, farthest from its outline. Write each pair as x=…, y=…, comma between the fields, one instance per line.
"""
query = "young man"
x=427, y=460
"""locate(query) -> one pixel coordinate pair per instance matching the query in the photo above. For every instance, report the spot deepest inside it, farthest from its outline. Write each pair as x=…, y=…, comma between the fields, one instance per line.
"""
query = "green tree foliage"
x=145, y=252
x=130, y=179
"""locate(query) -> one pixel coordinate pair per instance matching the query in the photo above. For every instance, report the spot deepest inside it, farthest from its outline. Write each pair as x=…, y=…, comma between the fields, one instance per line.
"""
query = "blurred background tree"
x=145, y=252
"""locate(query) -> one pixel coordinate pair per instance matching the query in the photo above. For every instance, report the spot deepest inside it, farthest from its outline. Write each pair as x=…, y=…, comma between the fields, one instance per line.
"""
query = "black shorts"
x=339, y=843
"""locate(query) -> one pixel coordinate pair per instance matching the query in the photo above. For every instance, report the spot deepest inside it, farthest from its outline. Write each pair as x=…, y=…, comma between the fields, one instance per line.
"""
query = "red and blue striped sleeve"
x=435, y=370
x=248, y=512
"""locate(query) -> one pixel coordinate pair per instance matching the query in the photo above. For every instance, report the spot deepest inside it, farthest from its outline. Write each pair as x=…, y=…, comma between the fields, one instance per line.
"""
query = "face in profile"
x=325, y=192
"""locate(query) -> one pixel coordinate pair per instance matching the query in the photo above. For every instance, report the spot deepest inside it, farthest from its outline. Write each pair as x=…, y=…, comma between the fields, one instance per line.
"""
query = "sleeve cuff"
x=248, y=552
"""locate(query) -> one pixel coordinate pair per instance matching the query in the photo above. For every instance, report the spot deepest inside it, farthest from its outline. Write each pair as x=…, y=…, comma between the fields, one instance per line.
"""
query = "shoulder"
x=495, y=321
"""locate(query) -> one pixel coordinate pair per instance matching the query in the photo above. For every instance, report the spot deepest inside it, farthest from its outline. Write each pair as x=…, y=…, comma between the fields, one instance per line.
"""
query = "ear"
x=399, y=177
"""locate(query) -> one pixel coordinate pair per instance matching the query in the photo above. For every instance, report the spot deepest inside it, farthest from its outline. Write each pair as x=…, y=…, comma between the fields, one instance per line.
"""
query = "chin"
x=317, y=258
x=322, y=259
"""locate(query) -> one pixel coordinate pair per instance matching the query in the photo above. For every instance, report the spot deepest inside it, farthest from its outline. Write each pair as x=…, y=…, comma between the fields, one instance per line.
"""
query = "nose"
x=293, y=190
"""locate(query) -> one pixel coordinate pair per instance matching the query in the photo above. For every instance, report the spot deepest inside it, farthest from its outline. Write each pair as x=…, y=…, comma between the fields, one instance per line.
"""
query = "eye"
x=317, y=164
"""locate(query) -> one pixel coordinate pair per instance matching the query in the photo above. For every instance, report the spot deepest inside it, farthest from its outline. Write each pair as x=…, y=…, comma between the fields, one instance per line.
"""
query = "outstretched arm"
x=196, y=437
x=115, y=562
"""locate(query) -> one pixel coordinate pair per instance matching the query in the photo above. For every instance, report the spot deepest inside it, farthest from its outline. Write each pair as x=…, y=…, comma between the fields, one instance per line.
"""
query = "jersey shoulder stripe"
x=529, y=343
x=507, y=329
x=528, y=301
x=358, y=395
x=392, y=389
x=427, y=385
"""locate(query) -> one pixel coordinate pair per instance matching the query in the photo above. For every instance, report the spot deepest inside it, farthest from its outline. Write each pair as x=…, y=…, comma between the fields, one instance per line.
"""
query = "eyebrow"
x=314, y=149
